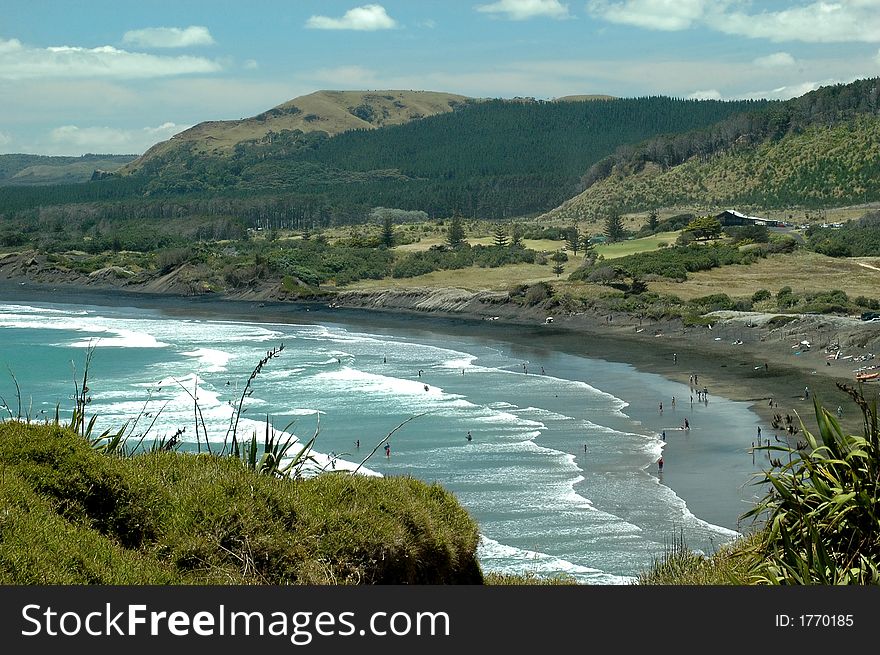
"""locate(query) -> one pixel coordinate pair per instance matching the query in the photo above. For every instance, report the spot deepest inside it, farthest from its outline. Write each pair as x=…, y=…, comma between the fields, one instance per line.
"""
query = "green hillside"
x=822, y=166
x=332, y=112
x=822, y=149
x=495, y=158
x=20, y=169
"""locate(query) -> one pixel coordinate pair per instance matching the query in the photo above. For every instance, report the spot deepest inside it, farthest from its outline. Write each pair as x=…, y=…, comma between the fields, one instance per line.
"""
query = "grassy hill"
x=494, y=158
x=819, y=150
x=821, y=166
x=21, y=170
x=73, y=515
x=327, y=111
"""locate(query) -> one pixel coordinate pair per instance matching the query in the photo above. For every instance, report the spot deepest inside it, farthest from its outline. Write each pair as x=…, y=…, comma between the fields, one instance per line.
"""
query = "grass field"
x=624, y=248
x=472, y=278
x=499, y=279
x=802, y=271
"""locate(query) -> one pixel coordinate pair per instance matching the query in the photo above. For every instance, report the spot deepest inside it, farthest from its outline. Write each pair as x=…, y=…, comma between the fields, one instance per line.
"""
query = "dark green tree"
x=614, y=229
x=653, y=219
x=573, y=239
x=387, y=237
x=705, y=227
x=586, y=244
x=558, y=258
x=455, y=234
x=516, y=238
x=501, y=237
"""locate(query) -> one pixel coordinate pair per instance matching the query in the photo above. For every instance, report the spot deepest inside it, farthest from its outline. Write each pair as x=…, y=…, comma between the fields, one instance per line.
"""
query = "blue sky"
x=81, y=76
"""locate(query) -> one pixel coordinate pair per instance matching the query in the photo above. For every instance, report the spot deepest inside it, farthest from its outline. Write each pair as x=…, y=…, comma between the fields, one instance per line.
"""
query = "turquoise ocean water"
x=560, y=472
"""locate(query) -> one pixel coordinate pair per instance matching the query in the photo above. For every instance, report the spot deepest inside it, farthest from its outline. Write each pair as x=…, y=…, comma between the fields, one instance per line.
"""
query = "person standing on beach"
x=660, y=465
x=806, y=393
x=687, y=426
x=759, y=433
x=387, y=450
x=664, y=435
x=673, y=402
x=675, y=358
x=661, y=406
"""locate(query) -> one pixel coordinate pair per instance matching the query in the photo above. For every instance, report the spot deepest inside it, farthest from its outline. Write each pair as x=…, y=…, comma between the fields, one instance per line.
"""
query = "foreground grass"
x=732, y=564
x=72, y=515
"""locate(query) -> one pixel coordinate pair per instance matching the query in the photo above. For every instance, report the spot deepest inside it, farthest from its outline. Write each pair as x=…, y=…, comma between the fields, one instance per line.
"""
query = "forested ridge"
x=492, y=159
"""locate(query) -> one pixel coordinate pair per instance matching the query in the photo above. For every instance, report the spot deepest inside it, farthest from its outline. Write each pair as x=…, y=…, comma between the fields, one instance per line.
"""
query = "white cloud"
x=628, y=77
x=776, y=60
x=169, y=37
x=71, y=139
x=525, y=9
x=19, y=62
x=10, y=46
x=709, y=94
x=787, y=92
x=251, y=65
x=365, y=18
x=818, y=22
x=666, y=15
x=821, y=21
x=5, y=139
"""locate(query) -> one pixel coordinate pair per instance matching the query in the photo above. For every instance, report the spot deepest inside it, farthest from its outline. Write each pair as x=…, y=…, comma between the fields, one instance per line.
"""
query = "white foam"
x=465, y=361
x=214, y=360
x=361, y=381
x=501, y=558
x=123, y=339
x=31, y=309
x=546, y=413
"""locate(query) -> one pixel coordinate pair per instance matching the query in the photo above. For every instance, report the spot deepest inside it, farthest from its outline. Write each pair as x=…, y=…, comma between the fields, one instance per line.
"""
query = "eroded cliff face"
x=446, y=300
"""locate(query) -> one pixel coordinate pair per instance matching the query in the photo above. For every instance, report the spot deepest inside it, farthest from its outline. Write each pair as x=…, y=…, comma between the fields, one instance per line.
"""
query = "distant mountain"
x=821, y=149
x=23, y=170
x=332, y=112
x=493, y=158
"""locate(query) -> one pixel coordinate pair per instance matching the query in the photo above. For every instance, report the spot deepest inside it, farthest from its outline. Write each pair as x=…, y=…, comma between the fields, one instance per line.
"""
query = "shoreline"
x=724, y=373
x=760, y=367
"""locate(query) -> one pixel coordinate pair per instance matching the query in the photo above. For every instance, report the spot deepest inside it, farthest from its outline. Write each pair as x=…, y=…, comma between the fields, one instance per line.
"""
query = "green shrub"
x=822, y=510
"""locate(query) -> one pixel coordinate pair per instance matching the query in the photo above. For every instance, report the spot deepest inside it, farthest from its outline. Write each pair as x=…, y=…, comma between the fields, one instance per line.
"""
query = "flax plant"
x=822, y=510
